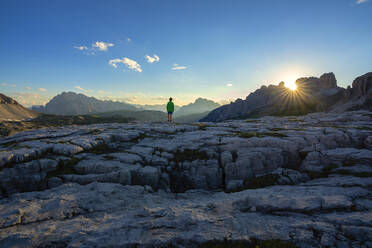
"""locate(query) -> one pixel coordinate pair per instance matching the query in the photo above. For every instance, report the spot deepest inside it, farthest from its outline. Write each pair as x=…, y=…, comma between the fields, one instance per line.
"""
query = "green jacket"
x=170, y=107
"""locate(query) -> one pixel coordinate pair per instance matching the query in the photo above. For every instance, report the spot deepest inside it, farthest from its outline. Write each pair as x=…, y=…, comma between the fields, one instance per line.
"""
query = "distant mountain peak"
x=200, y=105
x=71, y=103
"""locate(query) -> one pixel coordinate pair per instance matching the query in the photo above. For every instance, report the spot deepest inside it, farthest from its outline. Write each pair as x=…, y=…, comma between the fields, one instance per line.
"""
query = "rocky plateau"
x=297, y=181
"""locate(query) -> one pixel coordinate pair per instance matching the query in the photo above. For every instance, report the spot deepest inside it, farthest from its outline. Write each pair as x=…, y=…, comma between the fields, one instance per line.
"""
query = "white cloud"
x=42, y=89
x=82, y=89
x=28, y=98
x=361, y=1
x=229, y=85
x=224, y=102
x=129, y=39
x=100, y=92
x=131, y=64
x=28, y=88
x=102, y=46
x=178, y=67
x=114, y=62
x=79, y=88
x=81, y=48
x=8, y=85
x=135, y=98
x=152, y=59
x=97, y=46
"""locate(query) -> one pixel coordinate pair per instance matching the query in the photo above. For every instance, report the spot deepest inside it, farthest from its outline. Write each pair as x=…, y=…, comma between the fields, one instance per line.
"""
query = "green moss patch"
x=316, y=174
x=257, y=182
x=327, y=169
x=109, y=157
x=50, y=121
x=189, y=155
x=62, y=120
x=274, y=243
x=101, y=149
x=277, y=129
x=324, y=173
x=140, y=137
x=349, y=163
x=203, y=126
x=298, y=129
x=65, y=167
x=295, y=120
x=260, y=134
x=261, y=182
x=364, y=128
x=356, y=174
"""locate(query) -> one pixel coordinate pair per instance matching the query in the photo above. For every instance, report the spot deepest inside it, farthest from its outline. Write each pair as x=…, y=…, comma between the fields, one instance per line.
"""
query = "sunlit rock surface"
x=304, y=180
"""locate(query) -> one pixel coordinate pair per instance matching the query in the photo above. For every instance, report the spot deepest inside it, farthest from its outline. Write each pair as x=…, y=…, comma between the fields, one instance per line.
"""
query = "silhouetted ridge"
x=312, y=95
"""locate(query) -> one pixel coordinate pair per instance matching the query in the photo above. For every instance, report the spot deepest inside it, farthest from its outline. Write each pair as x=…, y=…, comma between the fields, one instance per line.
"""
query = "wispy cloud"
x=361, y=1
x=131, y=64
x=102, y=46
x=29, y=98
x=81, y=48
x=28, y=88
x=178, y=67
x=135, y=98
x=79, y=88
x=42, y=89
x=8, y=85
x=82, y=89
x=96, y=46
x=101, y=92
x=129, y=39
x=114, y=62
x=229, y=85
x=153, y=59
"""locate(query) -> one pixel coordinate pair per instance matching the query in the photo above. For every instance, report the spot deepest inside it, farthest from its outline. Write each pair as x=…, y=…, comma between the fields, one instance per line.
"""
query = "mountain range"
x=70, y=103
x=312, y=95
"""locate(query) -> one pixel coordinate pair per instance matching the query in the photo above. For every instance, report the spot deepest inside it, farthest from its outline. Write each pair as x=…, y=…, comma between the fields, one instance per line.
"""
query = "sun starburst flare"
x=291, y=86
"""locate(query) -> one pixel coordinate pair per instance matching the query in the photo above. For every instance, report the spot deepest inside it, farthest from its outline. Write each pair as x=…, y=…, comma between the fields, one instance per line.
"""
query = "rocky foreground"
x=292, y=181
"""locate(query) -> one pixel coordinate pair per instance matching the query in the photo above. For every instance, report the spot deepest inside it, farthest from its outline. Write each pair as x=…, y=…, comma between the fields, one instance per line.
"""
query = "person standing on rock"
x=170, y=109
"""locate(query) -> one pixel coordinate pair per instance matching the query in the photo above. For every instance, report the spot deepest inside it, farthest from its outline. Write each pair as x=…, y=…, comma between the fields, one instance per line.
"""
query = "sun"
x=291, y=85
x=290, y=81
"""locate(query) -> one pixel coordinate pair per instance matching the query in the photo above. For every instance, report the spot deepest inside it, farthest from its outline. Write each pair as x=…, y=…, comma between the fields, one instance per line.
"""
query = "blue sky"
x=219, y=50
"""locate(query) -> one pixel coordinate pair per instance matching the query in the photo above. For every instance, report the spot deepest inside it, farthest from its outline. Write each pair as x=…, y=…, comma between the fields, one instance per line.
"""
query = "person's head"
x=170, y=99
